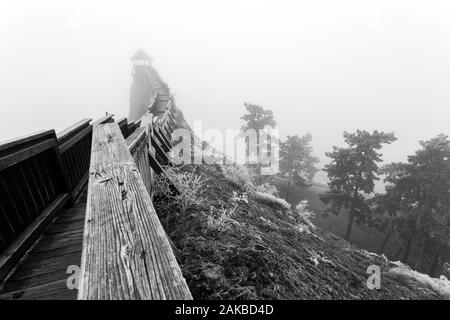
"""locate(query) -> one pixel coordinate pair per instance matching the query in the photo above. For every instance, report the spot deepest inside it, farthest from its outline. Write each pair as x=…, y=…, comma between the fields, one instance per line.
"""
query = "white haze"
x=322, y=66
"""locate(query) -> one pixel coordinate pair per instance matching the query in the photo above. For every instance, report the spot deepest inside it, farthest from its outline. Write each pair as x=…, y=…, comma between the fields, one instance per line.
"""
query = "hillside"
x=364, y=238
x=237, y=248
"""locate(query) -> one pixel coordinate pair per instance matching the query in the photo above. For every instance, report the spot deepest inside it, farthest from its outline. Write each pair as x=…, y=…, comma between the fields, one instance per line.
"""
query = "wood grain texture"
x=42, y=272
x=138, y=146
x=16, y=250
x=126, y=254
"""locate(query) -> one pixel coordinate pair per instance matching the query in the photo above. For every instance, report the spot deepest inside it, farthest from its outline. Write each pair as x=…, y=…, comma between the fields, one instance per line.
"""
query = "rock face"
x=146, y=81
x=140, y=95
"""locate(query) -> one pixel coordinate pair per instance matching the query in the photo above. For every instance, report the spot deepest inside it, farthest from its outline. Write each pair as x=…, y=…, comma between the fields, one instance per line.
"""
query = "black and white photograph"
x=227, y=155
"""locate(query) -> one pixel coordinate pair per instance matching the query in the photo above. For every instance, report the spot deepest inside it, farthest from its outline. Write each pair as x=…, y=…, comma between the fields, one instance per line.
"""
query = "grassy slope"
x=263, y=256
x=365, y=238
x=368, y=239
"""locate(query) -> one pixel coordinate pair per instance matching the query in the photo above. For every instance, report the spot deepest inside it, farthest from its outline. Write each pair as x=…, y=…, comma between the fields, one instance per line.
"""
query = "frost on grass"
x=304, y=213
x=272, y=200
x=316, y=258
x=440, y=285
x=239, y=197
x=267, y=188
x=221, y=219
x=238, y=175
x=190, y=185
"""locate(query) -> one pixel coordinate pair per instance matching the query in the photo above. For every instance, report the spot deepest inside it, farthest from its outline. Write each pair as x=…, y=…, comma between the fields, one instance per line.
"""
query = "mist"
x=322, y=66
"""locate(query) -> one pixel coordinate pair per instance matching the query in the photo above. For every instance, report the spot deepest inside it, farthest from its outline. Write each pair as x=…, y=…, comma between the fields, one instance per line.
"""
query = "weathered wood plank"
x=105, y=119
x=163, y=142
x=56, y=290
x=27, y=140
x=138, y=146
x=159, y=152
x=25, y=153
x=126, y=254
x=123, y=125
x=58, y=252
x=69, y=132
x=15, y=251
x=68, y=143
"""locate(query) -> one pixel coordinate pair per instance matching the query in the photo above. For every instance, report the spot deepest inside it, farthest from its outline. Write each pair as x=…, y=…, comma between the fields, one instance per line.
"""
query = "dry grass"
x=304, y=213
x=190, y=185
x=267, y=188
x=441, y=285
x=272, y=200
x=238, y=175
x=221, y=220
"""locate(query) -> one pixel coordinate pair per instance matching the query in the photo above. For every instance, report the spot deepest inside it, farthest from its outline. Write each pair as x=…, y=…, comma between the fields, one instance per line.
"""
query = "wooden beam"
x=65, y=145
x=165, y=134
x=136, y=139
x=169, y=128
x=78, y=189
x=18, y=154
x=163, y=142
x=135, y=144
x=126, y=254
x=63, y=174
x=123, y=125
x=154, y=164
x=105, y=119
x=71, y=131
x=27, y=140
x=138, y=146
x=159, y=151
x=172, y=123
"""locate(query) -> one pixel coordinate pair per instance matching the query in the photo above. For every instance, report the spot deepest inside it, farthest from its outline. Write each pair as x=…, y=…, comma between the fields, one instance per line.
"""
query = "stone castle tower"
x=146, y=81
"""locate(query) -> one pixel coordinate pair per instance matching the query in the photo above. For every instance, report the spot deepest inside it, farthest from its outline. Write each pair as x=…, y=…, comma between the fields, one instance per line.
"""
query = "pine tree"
x=352, y=173
x=296, y=160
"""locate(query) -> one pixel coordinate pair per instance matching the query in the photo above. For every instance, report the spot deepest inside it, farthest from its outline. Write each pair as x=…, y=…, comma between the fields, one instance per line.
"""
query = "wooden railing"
x=39, y=174
x=126, y=252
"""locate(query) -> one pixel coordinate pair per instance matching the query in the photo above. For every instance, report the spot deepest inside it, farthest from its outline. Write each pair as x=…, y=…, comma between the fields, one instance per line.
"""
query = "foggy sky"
x=322, y=66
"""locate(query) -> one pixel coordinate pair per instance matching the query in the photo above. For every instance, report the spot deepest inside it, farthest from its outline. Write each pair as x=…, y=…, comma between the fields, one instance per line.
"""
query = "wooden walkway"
x=42, y=273
x=112, y=245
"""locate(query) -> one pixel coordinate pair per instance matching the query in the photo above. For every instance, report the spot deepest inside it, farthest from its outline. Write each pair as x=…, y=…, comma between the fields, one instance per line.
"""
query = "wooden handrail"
x=32, y=189
x=23, y=149
x=71, y=131
x=25, y=140
x=39, y=174
x=138, y=147
x=135, y=140
x=105, y=119
x=119, y=208
x=123, y=125
x=74, y=139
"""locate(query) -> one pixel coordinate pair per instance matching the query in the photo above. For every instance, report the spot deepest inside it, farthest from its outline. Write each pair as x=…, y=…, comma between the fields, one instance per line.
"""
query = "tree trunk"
x=386, y=240
x=288, y=187
x=399, y=252
x=407, y=250
x=259, y=174
x=350, y=224
x=435, y=264
x=351, y=216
